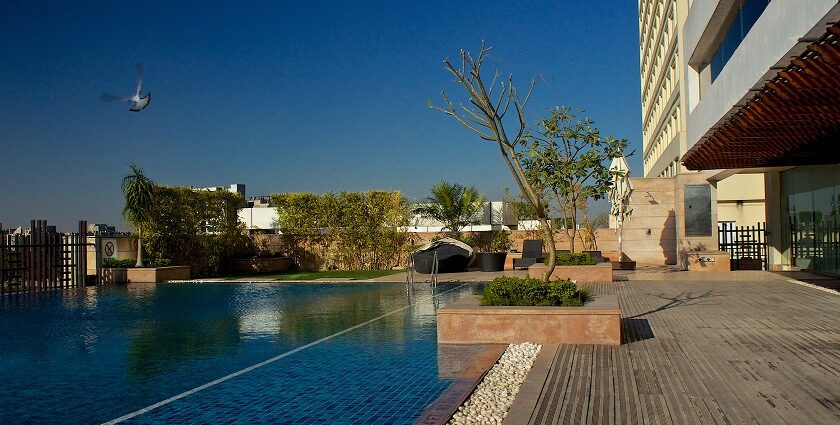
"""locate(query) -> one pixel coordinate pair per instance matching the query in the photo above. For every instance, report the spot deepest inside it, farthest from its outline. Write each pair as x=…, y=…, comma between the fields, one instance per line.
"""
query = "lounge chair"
x=531, y=253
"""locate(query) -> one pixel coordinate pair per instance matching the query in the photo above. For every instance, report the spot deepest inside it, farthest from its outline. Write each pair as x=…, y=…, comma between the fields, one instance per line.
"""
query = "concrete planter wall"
x=466, y=322
x=601, y=272
x=260, y=265
x=143, y=274
x=707, y=261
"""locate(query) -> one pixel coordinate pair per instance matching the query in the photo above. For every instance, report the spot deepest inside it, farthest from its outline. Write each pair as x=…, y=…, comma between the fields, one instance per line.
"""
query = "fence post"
x=2, y=260
x=82, y=253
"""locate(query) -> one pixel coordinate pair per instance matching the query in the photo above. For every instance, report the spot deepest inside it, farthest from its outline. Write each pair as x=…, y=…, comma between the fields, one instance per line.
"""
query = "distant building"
x=493, y=215
x=235, y=188
x=259, y=214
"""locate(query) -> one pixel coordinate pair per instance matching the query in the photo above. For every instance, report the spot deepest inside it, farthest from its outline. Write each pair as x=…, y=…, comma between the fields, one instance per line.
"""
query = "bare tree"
x=485, y=115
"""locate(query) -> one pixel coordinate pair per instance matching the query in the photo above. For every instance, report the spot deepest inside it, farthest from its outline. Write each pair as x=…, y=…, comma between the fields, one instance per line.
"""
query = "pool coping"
x=445, y=406
x=318, y=282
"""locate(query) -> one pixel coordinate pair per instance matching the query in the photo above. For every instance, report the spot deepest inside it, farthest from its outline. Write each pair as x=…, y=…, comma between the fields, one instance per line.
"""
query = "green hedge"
x=346, y=231
x=515, y=291
x=195, y=228
x=128, y=263
x=573, y=259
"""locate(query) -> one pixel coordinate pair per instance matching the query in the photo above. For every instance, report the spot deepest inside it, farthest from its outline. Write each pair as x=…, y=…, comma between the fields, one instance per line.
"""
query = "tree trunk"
x=139, y=248
x=552, y=249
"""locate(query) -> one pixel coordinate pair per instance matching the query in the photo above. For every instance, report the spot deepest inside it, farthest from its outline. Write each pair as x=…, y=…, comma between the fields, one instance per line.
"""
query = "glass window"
x=747, y=15
x=811, y=214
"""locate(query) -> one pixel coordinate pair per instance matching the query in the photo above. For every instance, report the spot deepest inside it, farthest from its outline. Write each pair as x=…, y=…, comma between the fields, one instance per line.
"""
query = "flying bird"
x=137, y=102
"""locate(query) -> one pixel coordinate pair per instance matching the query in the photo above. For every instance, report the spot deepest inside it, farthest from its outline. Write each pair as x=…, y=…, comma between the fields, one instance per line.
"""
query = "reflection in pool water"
x=108, y=351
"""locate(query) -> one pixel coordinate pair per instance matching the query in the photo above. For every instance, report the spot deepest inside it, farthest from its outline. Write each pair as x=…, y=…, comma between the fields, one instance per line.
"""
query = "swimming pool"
x=223, y=353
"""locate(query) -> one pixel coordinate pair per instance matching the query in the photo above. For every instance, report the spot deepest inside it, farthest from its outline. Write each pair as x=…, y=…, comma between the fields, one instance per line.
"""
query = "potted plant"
x=494, y=259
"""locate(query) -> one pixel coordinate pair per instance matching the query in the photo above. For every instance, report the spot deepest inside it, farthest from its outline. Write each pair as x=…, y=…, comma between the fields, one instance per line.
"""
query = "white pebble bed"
x=492, y=398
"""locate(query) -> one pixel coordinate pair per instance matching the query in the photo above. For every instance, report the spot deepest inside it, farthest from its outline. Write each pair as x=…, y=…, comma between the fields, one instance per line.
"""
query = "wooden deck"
x=754, y=349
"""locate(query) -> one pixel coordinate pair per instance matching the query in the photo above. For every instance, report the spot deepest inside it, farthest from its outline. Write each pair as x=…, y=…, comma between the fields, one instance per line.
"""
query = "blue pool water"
x=98, y=354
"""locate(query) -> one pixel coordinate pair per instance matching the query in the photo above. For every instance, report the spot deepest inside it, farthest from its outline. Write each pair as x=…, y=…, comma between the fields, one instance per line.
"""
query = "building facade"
x=762, y=93
x=665, y=109
x=663, y=106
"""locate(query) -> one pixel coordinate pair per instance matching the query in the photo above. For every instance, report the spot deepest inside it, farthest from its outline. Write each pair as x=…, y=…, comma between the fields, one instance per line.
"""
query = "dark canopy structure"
x=793, y=119
x=452, y=255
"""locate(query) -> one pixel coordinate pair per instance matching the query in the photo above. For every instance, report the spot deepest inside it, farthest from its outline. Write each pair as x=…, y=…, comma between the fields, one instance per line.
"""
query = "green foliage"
x=347, y=230
x=573, y=259
x=197, y=228
x=468, y=240
x=118, y=264
x=515, y=291
x=138, y=191
x=499, y=240
x=454, y=205
x=128, y=263
x=568, y=159
x=159, y=262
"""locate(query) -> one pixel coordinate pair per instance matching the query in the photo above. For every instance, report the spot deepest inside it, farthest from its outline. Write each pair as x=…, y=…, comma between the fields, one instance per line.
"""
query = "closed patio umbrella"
x=620, y=193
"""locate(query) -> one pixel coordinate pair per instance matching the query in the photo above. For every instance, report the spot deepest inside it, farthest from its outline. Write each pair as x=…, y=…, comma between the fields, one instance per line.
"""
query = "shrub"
x=573, y=259
x=515, y=291
x=128, y=263
x=119, y=264
x=347, y=230
x=500, y=241
x=159, y=262
x=196, y=228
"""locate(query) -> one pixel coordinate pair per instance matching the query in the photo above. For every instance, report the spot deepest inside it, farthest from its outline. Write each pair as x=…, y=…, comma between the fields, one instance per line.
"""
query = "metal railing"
x=746, y=245
x=435, y=270
x=42, y=260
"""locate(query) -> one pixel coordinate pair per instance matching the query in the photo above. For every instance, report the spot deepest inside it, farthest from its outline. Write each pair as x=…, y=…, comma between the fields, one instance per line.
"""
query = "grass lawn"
x=299, y=275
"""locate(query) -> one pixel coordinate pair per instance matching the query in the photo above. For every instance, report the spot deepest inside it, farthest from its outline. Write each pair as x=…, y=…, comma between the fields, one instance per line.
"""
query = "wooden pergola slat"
x=794, y=119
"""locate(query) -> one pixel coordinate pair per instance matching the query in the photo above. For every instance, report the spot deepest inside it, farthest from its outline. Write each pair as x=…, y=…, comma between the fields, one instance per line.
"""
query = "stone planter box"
x=601, y=272
x=259, y=265
x=143, y=274
x=707, y=261
x=466, y=322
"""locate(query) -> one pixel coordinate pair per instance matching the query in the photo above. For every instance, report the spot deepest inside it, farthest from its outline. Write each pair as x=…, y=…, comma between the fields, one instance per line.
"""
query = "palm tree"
x=453, y=205
x=138, y=191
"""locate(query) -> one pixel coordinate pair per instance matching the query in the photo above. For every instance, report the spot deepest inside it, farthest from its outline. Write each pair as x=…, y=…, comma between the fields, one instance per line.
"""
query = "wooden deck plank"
x=555, y=385
x=601, y=410
x=576, y=401
x=753, y=349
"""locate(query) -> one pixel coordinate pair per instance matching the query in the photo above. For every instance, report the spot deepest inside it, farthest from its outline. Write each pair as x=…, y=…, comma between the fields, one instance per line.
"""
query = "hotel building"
x=740, y=197
x=761, y=96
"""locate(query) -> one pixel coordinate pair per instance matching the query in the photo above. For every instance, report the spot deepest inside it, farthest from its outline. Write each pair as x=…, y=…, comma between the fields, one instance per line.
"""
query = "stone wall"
x=649, y=235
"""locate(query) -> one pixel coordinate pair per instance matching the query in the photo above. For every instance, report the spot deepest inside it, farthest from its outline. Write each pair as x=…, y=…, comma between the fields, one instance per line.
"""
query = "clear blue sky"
x=282, y=96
